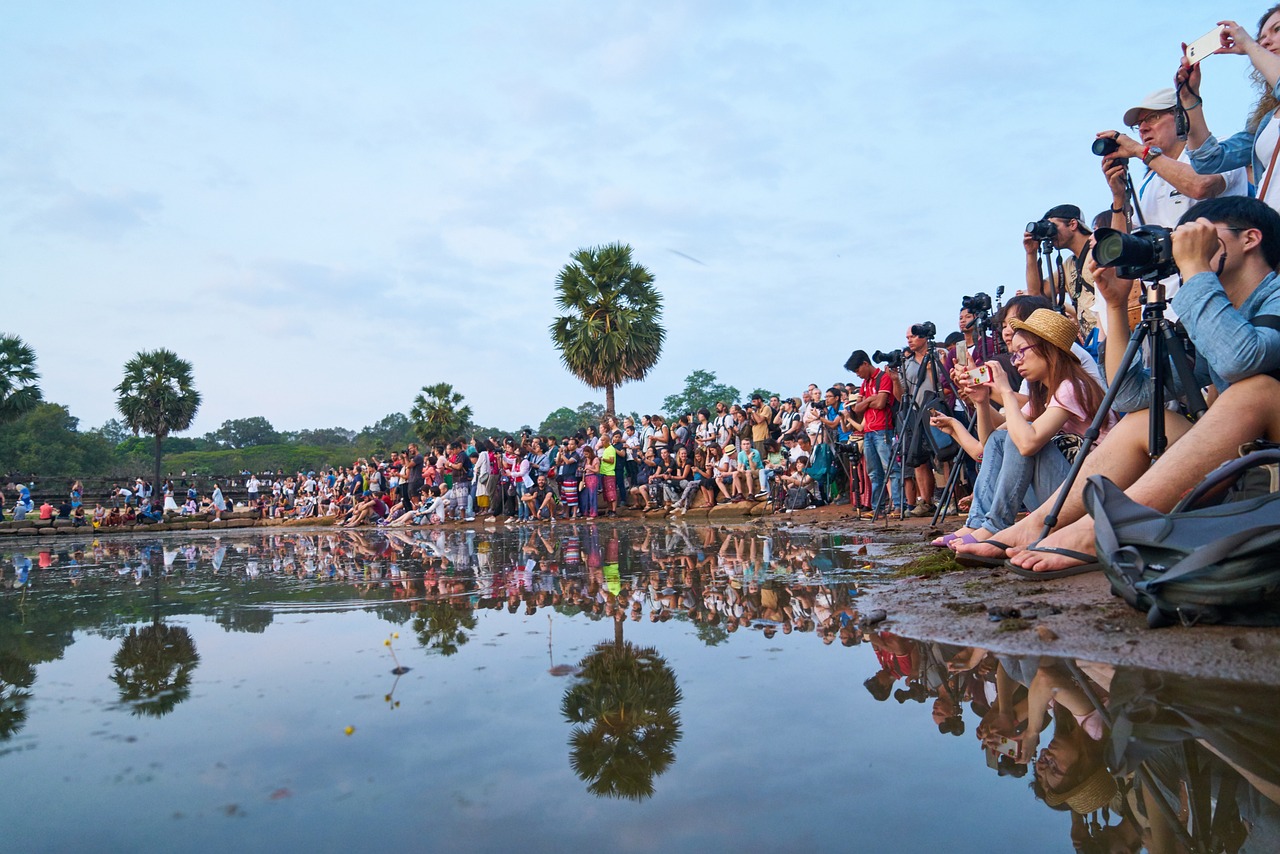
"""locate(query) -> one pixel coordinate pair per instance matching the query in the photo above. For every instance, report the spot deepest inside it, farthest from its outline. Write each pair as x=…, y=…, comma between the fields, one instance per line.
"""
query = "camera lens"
x=1113, y=247
x=1102, y=146
x=1042, y=230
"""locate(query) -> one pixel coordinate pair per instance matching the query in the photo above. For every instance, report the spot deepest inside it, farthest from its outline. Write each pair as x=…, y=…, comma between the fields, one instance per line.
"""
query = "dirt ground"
x=1074, y=617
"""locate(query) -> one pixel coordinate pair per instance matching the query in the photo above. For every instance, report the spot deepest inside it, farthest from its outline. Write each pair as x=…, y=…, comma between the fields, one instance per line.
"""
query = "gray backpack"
x=1215, y=558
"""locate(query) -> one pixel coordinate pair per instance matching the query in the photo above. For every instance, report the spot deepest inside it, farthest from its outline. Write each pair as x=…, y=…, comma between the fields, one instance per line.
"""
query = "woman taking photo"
x=1020, y=462
x=1255, y=146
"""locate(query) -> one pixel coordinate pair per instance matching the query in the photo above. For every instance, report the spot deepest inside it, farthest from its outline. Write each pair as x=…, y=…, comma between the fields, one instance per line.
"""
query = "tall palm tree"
x=438, y=414
x=624, y=706
x=611, y=331
x=19, y=393
x=157, y=396
x=153, y=668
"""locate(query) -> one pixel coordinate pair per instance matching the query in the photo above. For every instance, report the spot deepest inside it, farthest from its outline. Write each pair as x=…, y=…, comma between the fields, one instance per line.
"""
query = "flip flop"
x=944, y=541
x=1089, y=564
x=981, y=561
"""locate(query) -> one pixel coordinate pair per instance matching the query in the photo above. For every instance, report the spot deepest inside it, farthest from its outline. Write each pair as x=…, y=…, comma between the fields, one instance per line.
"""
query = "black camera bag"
x=1215, y=558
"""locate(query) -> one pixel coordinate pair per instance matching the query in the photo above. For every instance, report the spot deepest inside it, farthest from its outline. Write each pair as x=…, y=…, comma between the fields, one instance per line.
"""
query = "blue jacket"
x=1225, y=337
x=1216, y=157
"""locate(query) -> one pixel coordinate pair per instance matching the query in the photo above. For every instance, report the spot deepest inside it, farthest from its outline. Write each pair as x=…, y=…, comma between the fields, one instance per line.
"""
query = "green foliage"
x=244, y=433
x=438, y=414
x=45, y=441
x=289, y=458
x=157, y=396
x=114, y=431
x=325, y=436
x=611, y=331
x=392, y=431
x=565, y=421
x=764, y=393
x=153, y=668
x=700, y=389
x=627, y=726
x=19, y=392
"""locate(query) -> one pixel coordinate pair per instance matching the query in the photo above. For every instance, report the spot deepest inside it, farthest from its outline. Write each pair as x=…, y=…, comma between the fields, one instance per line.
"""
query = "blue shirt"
x=1225, y=337
x=1233, y=152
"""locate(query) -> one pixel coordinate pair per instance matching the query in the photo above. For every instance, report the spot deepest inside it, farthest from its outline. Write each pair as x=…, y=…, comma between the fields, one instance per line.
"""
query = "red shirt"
x=877, y=419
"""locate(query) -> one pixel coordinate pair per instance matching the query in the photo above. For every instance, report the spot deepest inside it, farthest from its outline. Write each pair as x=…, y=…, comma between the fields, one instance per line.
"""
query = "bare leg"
x=1249, y=409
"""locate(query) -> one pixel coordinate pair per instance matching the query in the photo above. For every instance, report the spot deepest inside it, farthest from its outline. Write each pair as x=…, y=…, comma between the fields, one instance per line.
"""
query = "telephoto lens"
x=1102, y=146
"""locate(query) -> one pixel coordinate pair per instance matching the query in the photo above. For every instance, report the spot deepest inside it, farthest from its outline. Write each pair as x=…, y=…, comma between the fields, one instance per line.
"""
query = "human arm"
x=1183, y=177
x=956, y=430
x=1028, y=436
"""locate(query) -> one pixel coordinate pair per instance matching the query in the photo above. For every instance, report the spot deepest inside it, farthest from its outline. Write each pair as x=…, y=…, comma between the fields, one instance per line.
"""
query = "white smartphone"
x=1205, y=45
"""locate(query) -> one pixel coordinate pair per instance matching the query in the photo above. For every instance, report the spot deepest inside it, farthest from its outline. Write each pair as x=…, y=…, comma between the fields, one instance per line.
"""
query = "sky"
x=325, y=207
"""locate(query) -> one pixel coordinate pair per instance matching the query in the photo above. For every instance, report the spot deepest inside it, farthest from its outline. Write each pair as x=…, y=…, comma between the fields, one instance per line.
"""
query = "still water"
x=612, y=687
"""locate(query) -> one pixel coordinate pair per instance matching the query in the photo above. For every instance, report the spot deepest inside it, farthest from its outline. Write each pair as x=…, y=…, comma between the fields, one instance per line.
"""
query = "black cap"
x=1067, y=212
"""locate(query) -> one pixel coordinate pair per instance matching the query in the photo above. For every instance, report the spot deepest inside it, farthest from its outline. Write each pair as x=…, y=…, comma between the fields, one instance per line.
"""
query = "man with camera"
x=1227, y=250
x=874, y=404
x=1062, y=227
x=1170, y=186
x=921, y=370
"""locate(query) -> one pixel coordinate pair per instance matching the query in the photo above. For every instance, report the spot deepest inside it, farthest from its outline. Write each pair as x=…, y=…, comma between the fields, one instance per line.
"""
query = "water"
x=624, y=687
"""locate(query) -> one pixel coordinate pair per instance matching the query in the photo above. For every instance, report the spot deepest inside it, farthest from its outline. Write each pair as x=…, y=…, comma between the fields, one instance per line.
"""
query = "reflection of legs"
x=1248, y=410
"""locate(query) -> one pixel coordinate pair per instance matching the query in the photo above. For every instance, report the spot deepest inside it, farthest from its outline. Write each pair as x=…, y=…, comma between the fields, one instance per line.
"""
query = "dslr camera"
x=979, y=303
x=891, y=359
x=1145, y=254
x=1042, y=230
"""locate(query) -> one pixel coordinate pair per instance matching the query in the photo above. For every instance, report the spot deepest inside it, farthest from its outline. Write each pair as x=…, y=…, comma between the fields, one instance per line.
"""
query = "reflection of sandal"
x=980, y=561
x=1089, y=563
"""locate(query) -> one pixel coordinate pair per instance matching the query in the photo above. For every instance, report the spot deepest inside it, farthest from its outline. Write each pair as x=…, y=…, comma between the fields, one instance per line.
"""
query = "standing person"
x=1255, y=146
x=875, y=402
x=567, y=465
x=588, y=502
x=1072, y=234
x=761, y=418
x=610, y=447
x=416, y=472
x=253, y=485
x=219, y=502
x=920, y=375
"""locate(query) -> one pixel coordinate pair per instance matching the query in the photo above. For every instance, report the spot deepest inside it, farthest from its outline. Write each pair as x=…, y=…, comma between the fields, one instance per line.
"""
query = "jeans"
x=522, y=509
x=1007, y=479
x=877, y=448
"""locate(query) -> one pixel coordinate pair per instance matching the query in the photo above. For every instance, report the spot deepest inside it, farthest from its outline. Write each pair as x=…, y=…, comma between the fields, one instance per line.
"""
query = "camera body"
x=1042, y=230
x=979, y=303
x=1145, y=254
x=927, y=329
x=891, y=359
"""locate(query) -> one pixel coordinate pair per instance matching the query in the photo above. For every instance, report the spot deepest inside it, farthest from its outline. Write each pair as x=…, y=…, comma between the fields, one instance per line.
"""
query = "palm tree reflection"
x=16, y=676
x=443, y=626
x=153, y=668
x=624, y=706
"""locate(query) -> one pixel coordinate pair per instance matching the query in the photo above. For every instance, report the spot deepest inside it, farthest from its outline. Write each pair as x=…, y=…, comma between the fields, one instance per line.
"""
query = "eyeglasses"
x=1150, y=118
x=1018, y=355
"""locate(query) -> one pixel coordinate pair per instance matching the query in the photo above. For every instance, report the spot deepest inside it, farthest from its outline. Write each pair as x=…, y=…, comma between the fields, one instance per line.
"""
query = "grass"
x=935, y=563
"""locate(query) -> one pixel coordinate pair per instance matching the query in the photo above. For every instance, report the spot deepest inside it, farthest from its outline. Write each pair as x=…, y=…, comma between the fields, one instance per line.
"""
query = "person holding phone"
x=1020, y=461
x=1257, y=145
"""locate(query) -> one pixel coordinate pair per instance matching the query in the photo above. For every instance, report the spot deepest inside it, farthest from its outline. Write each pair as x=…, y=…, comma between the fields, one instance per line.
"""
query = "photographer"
x=921, y=375
x=761, y=417
x=1255, y=146
x=1227, y=250
x=874, y=403
x=1062, y=227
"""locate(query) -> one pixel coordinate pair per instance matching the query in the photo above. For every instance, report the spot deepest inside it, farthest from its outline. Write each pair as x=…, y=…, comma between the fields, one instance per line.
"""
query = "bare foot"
x=1015, y=537
x=1077, y=537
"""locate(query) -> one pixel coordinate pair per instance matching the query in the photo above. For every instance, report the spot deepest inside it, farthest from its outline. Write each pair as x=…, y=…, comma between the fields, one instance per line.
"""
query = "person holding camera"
x=1227, y=250
x=1062, y=227
x=1255, y=146
x=874, y=403
x=920, y=373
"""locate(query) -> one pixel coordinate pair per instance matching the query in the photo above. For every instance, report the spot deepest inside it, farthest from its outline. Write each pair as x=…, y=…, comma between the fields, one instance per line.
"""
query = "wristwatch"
x=1151, y=152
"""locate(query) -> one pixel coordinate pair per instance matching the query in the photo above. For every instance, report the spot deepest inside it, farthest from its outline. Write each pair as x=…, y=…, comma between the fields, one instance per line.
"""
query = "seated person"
x=541, y=500
x=1227, y=250
x=1015, y=446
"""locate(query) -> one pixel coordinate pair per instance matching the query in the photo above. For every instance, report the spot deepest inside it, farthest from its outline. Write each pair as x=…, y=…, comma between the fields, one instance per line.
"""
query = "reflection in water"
x=624, y=706
x=1140, y=760
x=1136, y=759
x=153, y=668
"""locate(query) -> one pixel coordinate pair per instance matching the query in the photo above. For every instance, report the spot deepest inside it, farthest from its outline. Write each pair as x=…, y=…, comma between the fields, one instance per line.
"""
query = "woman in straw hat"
x=1019, y=461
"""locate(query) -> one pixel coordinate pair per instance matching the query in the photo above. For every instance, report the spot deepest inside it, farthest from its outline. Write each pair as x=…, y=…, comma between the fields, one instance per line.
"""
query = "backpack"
x=1212, y=559
x=797, y=498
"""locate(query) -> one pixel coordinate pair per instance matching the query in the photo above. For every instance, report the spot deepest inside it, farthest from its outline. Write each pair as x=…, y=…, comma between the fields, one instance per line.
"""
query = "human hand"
x=1027, y=746
x=1129, y=147
x=999, y=379
x=1188, y=77
x=1114, y=289
x=1195, y=246
x=1029, y=244
x=1235, y=38
x=943, y=422
x=1115, y=170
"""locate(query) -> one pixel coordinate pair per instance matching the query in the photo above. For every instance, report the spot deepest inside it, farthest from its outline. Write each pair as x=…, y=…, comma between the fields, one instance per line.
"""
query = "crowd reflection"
x=1139, y=760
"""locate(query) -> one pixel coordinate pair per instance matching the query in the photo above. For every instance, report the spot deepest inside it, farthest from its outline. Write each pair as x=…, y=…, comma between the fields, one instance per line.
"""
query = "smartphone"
x=981, y=374
x=962, y=353
x=1205, y=45
x=1009, y=747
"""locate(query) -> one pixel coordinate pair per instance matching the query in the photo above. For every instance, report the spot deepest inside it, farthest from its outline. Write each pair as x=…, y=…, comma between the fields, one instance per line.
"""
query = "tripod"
x=1165, y=347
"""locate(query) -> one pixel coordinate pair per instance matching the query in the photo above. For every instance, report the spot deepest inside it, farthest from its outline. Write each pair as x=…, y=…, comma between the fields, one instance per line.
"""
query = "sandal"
x=982, y=561
x=1088, y=563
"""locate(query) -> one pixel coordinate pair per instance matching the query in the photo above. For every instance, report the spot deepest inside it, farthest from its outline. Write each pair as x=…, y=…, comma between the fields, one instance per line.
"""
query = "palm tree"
x=153, y=668
x=624, y=706
x=612, y=330
x=443, y=626
x=438, y=414
x=157, y=396
x=19, y=393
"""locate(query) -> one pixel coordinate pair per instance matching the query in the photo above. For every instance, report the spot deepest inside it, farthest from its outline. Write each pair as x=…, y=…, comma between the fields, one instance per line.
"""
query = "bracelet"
x=1196, y=105
x=1119, y=210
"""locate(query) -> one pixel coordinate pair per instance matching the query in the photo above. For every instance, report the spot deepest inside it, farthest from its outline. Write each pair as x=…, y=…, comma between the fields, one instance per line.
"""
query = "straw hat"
x=1094, y=793
x=1059, y=331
